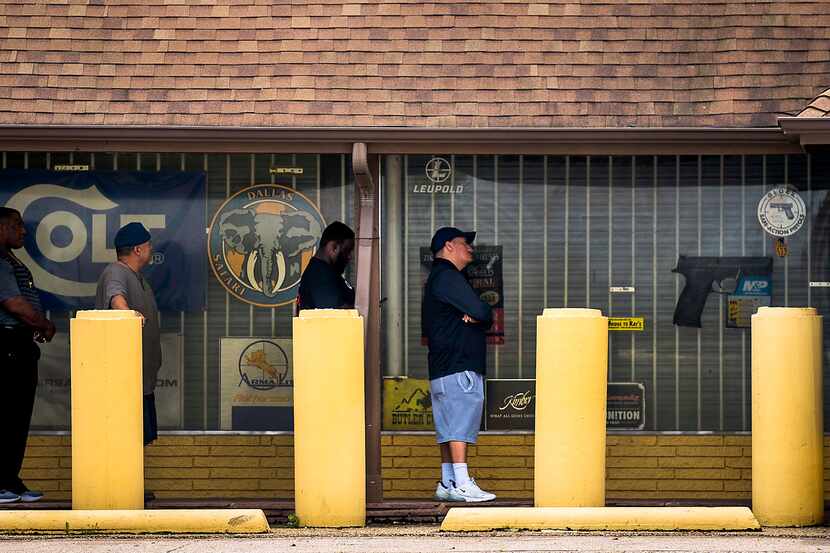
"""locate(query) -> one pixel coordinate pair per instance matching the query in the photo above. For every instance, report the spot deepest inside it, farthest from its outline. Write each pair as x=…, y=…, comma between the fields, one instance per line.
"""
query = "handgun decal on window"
x=747, y=281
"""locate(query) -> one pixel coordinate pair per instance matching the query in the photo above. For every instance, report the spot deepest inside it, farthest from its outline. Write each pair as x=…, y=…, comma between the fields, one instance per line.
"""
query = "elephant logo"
x=261, y=240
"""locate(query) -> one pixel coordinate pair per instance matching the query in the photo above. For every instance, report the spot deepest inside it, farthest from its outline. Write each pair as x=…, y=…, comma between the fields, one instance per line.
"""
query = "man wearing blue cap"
x=122, y=286
x=455, y=321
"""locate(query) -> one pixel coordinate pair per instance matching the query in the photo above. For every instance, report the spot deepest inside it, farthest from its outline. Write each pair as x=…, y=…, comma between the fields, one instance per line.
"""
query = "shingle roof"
x=819, y=107
x=605, y=63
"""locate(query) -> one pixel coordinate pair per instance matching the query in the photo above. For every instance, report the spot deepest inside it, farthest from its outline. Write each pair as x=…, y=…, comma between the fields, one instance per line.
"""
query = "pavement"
x=429, y=539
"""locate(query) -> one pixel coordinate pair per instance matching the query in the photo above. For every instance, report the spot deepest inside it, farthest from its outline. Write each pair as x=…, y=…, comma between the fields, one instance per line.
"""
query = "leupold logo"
x=263, y=365
x=261, y=239
x=66, y=240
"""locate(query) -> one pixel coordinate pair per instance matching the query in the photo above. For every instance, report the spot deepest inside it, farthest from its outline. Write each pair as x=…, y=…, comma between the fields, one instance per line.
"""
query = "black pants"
x=18, y=374
x=151, y=426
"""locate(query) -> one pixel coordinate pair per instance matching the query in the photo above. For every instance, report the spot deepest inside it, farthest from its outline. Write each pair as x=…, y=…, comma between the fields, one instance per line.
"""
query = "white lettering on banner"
x=90, y=198
x=438, y=188
x=100, y=252
x=55, y=220
x=623, y=415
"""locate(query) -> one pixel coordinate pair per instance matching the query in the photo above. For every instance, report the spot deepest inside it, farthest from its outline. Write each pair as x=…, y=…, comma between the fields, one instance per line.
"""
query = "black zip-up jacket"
x=454, y=345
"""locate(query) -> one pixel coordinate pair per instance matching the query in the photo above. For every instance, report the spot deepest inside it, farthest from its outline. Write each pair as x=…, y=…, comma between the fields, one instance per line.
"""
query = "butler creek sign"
x=407, y=404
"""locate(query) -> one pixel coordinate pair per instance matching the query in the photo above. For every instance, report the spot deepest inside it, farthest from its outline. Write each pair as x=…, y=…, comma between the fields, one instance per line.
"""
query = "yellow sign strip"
x=626, y=323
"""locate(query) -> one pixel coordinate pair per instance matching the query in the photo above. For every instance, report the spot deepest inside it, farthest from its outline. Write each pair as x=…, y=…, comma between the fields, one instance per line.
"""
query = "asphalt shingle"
x=605, y=63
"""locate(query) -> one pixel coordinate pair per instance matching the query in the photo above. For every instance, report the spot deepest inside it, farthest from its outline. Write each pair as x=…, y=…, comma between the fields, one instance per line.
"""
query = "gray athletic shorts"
x=457, y=402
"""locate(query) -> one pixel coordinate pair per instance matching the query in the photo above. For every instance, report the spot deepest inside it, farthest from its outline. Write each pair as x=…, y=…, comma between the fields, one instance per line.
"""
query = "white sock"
x=447, y=475
x=462, y=477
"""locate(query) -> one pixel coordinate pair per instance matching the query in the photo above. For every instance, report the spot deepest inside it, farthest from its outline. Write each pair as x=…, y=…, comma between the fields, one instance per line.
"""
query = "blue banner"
x=71, y=219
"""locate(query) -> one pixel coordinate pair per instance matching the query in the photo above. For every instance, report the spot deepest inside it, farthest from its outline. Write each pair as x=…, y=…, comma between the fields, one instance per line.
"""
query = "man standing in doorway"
x=122, y=286
x=21, y=324
x=323, y=285
x=455, y=321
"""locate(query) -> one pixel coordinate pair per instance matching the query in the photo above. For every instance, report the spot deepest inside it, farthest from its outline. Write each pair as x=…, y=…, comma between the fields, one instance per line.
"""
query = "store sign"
x=72, y=217
x=626, y=323
x=256, y=384
x=261, y=240
x=52, y=401
x=439, y=173
x=751, y=292
x=781, y=212
x=485, y=276
x=626, y=406
x=511, y=404
x=407, y=404
x=294, y=171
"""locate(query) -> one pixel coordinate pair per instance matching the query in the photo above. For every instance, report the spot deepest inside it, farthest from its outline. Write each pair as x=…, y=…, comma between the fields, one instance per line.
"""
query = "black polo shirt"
x=321, y=287
x=454, y=345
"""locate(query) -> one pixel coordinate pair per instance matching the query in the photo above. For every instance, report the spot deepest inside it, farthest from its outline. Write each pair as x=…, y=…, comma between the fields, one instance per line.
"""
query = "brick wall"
x=638, y=467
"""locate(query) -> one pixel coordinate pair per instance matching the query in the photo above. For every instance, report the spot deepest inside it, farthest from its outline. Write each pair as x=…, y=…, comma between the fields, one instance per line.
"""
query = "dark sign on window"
x=626, y=406
x=511, y=405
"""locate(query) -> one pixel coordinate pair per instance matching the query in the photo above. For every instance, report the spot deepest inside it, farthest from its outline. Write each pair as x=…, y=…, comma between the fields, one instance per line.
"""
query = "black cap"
x=445, y=234
x=131, y=234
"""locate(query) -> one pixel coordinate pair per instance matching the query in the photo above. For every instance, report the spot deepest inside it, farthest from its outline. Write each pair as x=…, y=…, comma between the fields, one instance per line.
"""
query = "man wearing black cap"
x=122, y=286
x=454, y=321
x=21, y=324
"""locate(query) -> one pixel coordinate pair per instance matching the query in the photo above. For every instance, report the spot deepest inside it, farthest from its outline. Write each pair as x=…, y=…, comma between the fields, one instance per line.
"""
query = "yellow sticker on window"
x=626, y=323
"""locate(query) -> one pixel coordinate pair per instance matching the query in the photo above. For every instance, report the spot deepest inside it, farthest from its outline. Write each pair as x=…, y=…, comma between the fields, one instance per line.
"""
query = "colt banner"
x=72, y=217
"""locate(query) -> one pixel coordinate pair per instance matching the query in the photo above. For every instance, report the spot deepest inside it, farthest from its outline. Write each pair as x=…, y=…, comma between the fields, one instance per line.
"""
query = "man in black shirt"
x=22, y=323
x=323, y=285
x=455, y=321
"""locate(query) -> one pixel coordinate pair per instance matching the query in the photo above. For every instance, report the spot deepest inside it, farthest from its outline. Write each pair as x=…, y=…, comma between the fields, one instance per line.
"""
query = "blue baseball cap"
x=445, y=234
x=131, y=234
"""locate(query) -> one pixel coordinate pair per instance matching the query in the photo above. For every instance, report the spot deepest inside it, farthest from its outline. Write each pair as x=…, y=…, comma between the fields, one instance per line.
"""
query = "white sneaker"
x=471, y=493
x=442, y=492
x=8, y=497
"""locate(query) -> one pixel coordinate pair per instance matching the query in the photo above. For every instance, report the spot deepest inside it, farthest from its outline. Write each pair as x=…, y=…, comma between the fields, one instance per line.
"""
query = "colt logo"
x=62, y=236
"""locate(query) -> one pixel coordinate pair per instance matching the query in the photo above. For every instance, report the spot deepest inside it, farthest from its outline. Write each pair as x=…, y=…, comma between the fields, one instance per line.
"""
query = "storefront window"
x=199, y=387
x=606, y=232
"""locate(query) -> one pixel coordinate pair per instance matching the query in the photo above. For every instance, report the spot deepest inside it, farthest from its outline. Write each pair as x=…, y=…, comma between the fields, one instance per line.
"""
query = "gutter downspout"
x=368, y=305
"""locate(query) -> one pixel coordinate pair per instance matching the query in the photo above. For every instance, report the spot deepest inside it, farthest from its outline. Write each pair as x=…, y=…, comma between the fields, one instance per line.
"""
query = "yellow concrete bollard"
x=329, y=419
x=787, y=423
x=571, y=390
x=107, y=427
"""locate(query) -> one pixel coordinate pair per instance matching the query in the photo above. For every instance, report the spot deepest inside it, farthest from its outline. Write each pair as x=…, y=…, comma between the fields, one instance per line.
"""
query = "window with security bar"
x=226, y=361
x=624, y=234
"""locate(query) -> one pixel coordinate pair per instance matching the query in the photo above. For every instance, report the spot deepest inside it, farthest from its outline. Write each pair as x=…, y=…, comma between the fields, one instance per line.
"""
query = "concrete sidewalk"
x=428, y=539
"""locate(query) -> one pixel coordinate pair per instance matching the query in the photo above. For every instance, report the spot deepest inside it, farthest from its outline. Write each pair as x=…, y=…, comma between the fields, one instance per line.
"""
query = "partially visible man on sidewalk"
x=322, y=285
x=455, y=321
x=21, y=324
x=122, y=286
